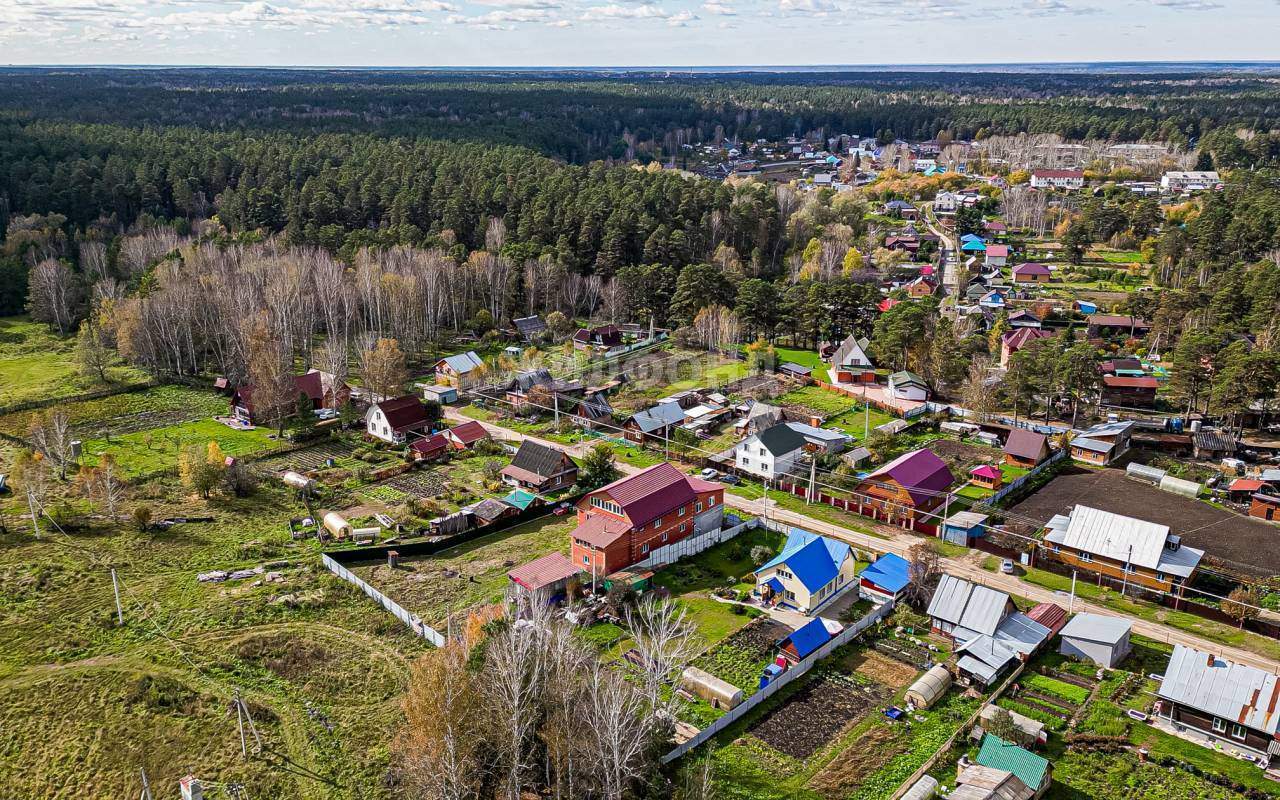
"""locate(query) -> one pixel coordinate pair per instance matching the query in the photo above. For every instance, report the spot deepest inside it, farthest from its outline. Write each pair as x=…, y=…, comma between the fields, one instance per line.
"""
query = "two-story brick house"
x=623, y=522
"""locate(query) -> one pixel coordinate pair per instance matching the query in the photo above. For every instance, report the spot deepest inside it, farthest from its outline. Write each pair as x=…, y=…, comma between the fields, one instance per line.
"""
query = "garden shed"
x=337, y=525
x=1102, y=640
x=1030, y=732
x=929, y=687
x=719, y=693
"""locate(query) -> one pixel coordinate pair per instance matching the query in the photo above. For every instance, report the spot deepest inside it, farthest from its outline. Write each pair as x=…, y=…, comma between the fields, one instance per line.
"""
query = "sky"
x=631, y=32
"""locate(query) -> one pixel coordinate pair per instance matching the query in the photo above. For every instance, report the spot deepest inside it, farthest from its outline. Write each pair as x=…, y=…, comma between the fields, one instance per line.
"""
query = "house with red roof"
x=626, y=521
x=429, y=448
x=1015, y=340
x=912, y=483
x=323, y=389
x=997, y=255
x=548, y=576
x=465, y=436
x=1120, y=390
x=396, y=419
x=1031, y=272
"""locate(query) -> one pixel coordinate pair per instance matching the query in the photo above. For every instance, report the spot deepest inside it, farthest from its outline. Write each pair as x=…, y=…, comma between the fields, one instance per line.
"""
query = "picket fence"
x=415, y=624
x=844, y=637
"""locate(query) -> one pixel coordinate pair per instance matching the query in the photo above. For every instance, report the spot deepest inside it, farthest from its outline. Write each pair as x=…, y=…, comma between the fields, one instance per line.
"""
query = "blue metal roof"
x=813, y=559
x=463, y=362
x=775, y=585
x=809, y=638
x=889, y=572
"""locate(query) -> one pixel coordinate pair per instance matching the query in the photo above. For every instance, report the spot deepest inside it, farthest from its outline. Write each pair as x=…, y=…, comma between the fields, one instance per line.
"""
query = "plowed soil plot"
x=960, y=456
x=811, y=718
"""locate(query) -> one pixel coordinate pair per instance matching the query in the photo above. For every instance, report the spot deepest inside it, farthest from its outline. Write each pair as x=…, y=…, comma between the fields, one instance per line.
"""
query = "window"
x=682, y=510
x=644, y=548
x=1085, y=557
x=586, y=559
x=657, y=523
x=1237, y=731
x=711, y=501
x=1161, y=577
x=664, y=537
x=699, y=506
x=1219, y=726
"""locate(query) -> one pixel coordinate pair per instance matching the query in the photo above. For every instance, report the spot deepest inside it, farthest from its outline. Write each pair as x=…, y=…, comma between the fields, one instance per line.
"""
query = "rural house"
x=605, y=337
x=1234, y=704
x=462, y=371
x=466, y=435
x=394, y=420
x=323, y=390
x=624, y=522
x=884, y=579
x=1122, y=548
x=997, y=255
x=772, y=453
x=1103, y=443
x=655, y=422
x=962, y=610
x=906, y=385
x=1120, y=390
x=809, y=572
x=1031, y=272
x=850, y=363
x=429, y=448
x=530, y=328
x=912, y=483
x=1025, y=448
x=1033, y=770
x=1014, y=340
x=540, y=468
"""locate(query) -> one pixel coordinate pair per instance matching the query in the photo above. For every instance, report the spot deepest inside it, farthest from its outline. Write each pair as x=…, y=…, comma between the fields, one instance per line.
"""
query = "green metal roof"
x=999, y=754
x=520, y=499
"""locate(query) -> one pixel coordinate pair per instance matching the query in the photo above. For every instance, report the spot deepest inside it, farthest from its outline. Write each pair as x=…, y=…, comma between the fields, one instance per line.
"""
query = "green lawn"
x=36, y=364
x=805, y=358
x=143, y=452
x=129, y=411
x=1119, y=256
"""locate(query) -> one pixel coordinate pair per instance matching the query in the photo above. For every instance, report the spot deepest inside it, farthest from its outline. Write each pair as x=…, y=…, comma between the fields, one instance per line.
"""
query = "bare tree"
x=105, y=485
x=665, y=641
x=440, y=741
x=924, y=568
x=271, y=385
x=53, y=295
x=51, y=436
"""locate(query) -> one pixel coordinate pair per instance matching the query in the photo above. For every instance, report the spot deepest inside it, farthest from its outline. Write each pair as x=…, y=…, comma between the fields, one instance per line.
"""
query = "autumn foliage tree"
x=382, y=368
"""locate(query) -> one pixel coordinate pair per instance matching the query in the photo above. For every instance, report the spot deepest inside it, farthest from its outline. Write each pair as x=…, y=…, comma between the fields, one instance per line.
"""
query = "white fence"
x=1014, y=486
x=670, y=553
x=844, y=637
x=416, y=625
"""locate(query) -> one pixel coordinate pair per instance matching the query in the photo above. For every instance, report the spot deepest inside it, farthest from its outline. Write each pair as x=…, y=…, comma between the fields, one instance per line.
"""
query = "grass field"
x=805, y=358
x=144, y=452
x=36, y=364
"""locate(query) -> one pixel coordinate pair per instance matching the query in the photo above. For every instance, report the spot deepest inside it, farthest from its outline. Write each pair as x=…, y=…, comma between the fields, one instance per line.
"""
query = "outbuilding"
x=885, y=579
x=1102, y=640
x=719, y=693
x=964, y=527
x=929, y=687
x=337, y=525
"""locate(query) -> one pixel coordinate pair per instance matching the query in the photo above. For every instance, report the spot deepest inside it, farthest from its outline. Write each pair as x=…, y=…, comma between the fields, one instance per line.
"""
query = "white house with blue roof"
x=810, y=571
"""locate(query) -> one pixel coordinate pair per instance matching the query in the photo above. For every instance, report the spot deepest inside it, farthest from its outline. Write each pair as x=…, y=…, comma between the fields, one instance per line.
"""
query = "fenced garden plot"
x=816, y=714
x=314, y=458
x=904, y=652
x=742, y=657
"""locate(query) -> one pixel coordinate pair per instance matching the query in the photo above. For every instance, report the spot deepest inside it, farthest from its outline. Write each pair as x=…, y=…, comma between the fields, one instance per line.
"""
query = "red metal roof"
x=1120, y=382
x=542, y=572
x=985, y=471
x=648, y=495
x=1245, y=485
x=469, y=432
x=998, y=250
x=600, y=531
x=402, y=412
x=1049, y=615
x=1029, y=268
x=430, y=444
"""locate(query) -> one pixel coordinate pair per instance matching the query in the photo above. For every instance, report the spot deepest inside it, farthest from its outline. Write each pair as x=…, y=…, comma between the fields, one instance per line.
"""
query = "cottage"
x=593, y=409
x=997, y=255
x=547, y=577
x=605, y=337
x=901, y=209
x=1264, y=506
x=394, y=420
x=656, y=422
x=920, y=287
x=540, y=468
x=322, y=390
x=1212, y=445
x=1031, y=272
x=772, y=453
x=809, y=572
x=530, y=328
x=620, y=524
x=522, y=390
x=1015, y=340
x=906, y=385
x=804, y=642
x=1234, y=704
x=885, y=579
x=462, y=370
x=962, y=610
x=466, y=435
x=976, y=782
x=1022, y=318
x=759, y=416
x=1103, y=443
x=913, y=483
x=429, y=448
x=1025, y=448
x=986, y=476
x=1118, y=390
x=850, y=363
x=1122, y=548
x=1102, y=640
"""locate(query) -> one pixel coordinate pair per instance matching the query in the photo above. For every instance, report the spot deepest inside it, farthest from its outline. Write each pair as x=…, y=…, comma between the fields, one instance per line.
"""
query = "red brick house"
x=624, y=522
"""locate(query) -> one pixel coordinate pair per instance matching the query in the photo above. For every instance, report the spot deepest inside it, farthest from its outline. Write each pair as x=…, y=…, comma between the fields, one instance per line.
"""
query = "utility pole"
x=35, y=521
x=1071, y=604
x=115, y=588
x=813, y=469
x=146, y=786
x=866, y=419
x=556, y=400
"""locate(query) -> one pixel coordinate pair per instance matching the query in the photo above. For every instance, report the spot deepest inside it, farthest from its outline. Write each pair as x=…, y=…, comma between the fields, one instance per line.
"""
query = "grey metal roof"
x=1093, y=445
x=463, y=363
x=1235, y=692
x=1096, y=628
x=1121, y=538
x=1021, y=633
x=965, y=519
x=968, y=605
x=1215, y=440
x=1108, y=429
x=820, y=434
x=977, y=668
x=658, y=417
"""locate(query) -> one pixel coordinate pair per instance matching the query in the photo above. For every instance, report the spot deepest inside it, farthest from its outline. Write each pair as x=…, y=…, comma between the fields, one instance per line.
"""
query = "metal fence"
x=844, y=637
x=415, y=624
x=670, y=553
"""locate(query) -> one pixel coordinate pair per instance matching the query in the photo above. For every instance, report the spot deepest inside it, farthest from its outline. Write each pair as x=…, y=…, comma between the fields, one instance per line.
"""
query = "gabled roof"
x=977, y=782
x=544, y=571
x=520, y=499
x=907, y=378
x=807, y=639
x=1117, y=537
x=1049, y=615
x=1236, y=692
x=403, y=413
x=1018, y=339
x=968, y=605
x=490, y=509
x=658, y=417
x=469, y=432
x=463, y=363
x=430, y=444
x=890, y=572
x=524, y=381
x=998, y=250
x=541, y=460
x=813, y=559
x=530, y=326
x=1097, y=628
x=1031, y=268
x=780, y=439
x=648, y=495
x=999, y=754
x=986, y=471
x=920, y=472
x=1024, y=443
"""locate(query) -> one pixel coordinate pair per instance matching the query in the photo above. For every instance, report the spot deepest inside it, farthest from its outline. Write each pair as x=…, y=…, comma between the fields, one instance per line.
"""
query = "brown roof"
x=469, y=432
x=1059, y=173
x=1023, y=443
x=600, y=531
x=430, y=444
x=1016, y=340
x=544, y=571
x=1120, y=382
x=402, y=413
x=1118, y=321
x=1049, y=615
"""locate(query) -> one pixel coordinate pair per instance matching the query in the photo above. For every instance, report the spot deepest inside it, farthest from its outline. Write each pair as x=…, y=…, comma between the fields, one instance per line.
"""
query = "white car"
x=709, y=474
x=1006, y=567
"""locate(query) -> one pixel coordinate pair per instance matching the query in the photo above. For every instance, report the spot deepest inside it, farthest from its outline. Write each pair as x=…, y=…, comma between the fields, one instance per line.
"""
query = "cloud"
x=1188, y=5
x=503, y=19
x=681, y=19
x=615, y=11
x=1057, y=7
x=722, y=9
x=815, y=7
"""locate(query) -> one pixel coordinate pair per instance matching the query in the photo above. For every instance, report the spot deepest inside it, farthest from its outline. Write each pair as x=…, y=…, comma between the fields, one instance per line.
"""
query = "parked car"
x=561, y=510
x=732, y=480
x=709, y=474
x=1006, y=567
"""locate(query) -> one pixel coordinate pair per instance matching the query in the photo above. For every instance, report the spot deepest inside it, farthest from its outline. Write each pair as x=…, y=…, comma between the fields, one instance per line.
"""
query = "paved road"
x=889, y=539
x=950, y=271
